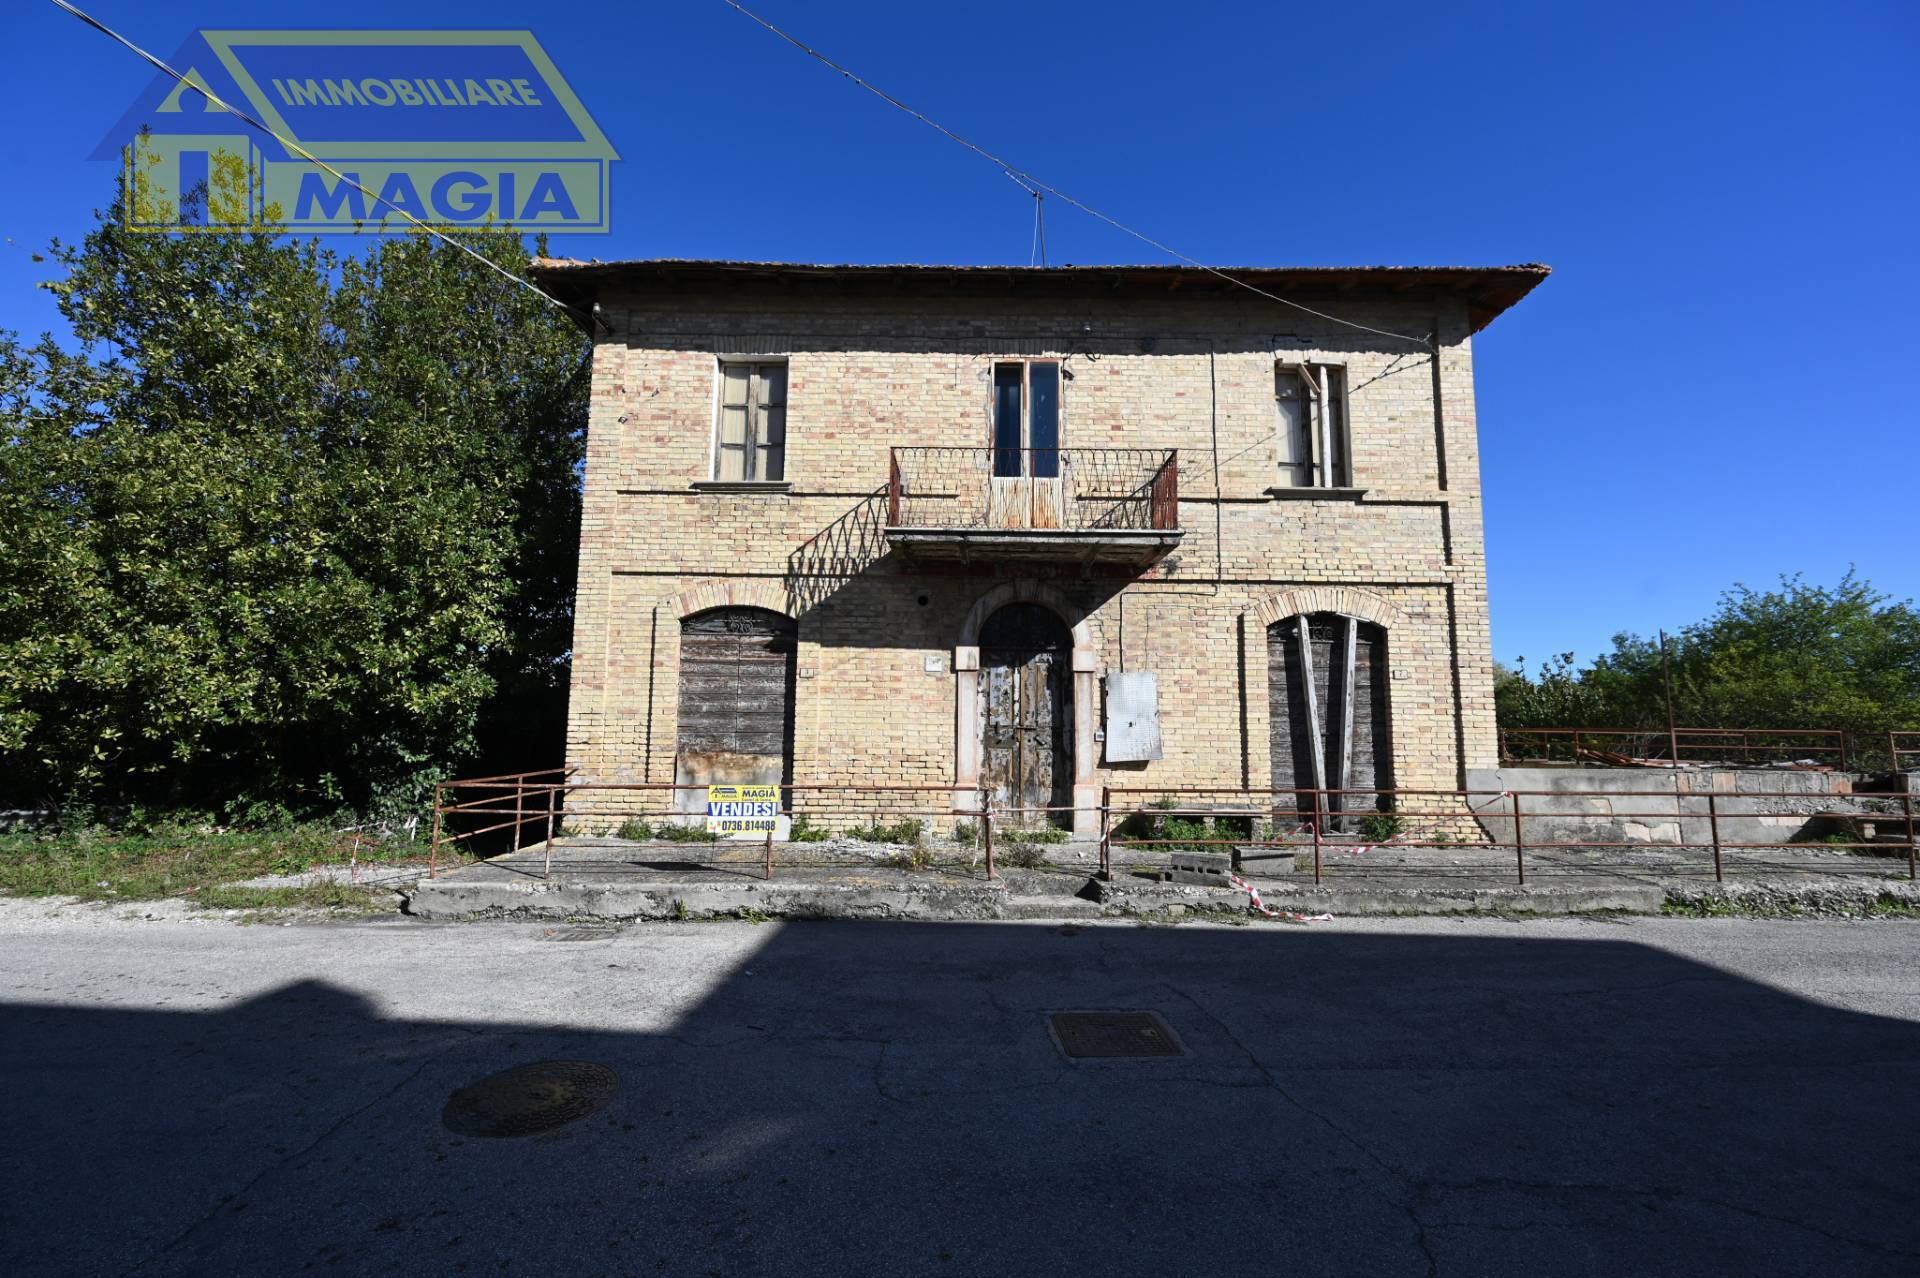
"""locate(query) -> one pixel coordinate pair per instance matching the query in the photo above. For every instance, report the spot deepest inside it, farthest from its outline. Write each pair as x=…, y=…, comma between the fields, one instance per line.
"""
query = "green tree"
x=283, y=528
x=1800, y=656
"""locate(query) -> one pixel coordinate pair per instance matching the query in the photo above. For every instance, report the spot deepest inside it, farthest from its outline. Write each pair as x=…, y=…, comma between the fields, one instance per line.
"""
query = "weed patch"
x=907, y=831
x=674, y=832
x=117, y=865
x=346, y=897
x=1021, y=855
x=917, y=857
x=1380, y=827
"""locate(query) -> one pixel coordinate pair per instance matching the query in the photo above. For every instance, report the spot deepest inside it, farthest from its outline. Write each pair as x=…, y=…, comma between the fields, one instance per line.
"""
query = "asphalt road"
x=1432, y=1096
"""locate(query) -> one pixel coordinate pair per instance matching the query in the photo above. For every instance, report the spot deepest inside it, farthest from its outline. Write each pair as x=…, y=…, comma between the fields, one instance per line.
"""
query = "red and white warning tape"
x=1404, y=836
x=1261, y=906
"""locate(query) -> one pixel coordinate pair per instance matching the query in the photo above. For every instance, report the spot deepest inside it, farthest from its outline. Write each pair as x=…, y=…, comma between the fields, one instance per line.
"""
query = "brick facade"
x=883, y=654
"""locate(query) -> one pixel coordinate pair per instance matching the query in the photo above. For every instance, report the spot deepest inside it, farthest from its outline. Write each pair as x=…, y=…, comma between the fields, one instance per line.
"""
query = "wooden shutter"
x=736, y=670
x=770, y=421
x=730, y=459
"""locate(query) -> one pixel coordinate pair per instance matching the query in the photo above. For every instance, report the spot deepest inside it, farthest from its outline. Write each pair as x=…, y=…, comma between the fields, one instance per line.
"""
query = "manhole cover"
x=529, y=1099
x=1113, y=1034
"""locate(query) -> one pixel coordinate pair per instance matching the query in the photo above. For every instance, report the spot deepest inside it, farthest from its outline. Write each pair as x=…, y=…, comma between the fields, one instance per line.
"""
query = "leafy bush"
x=1179, y=828
x=805, y=831
x=636, y=829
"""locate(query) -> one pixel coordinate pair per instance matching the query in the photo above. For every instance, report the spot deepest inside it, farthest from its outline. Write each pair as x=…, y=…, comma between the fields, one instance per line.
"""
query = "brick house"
x=1032, y=530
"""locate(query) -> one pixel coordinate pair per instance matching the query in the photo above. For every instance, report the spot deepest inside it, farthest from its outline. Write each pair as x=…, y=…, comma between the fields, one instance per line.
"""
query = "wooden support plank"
x=1344, y=742
x=1316, y=725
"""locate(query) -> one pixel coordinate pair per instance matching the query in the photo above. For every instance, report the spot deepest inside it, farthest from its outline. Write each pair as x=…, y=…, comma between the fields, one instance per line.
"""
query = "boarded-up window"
x=1310, y=401
x=1328, y=724
x=736, y=697
x=751, y=442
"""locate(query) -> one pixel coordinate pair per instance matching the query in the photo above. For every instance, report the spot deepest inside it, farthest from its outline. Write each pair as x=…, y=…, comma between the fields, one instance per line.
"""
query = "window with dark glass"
x=1026, y=419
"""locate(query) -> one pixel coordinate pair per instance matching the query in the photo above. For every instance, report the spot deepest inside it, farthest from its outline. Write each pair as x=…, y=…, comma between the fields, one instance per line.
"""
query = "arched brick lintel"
x=1351, y=601
x=732, y=593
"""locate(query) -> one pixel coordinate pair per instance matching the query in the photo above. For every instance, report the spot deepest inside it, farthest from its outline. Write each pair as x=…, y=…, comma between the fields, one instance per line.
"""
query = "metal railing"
x=1903, y=750
x=1466, y=820
x=1658, y=746
x=1062, y=489
x=534, y=808
x=1477, y=829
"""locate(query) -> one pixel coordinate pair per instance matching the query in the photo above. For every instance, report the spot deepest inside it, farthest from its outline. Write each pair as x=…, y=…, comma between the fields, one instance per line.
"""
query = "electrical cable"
x=311, y=158
x=1027, y=179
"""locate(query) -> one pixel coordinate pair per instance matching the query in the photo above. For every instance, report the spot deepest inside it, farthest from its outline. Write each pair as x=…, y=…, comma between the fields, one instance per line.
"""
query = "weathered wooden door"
x=1025, y=660
x=1327, y=714
x=736, y=701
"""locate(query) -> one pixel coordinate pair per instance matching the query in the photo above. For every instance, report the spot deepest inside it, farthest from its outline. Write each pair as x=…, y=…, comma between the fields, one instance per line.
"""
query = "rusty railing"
x=466, y=812
x=1061, y=489
x=1466, y=821
x=1663, y=746
x=1475, y=829
x=1903, y=750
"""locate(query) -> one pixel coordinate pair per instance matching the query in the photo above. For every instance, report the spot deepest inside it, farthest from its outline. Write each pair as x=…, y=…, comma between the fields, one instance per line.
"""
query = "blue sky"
x=1713, y=387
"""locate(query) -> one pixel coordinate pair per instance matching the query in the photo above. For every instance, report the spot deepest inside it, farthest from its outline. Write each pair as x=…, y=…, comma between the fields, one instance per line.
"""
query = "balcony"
x=1057, y=505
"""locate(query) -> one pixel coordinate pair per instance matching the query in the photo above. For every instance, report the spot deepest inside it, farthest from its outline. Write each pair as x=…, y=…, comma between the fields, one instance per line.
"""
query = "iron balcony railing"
x=1064, y=489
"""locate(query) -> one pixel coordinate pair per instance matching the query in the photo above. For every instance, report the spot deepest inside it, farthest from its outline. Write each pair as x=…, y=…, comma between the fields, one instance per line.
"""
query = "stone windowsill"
x=776, y=487
x=1316, y=494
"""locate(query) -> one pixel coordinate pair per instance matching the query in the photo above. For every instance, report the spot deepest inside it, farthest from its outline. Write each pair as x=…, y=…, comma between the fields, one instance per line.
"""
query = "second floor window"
x=1315, y=451
x=751, y=439
x=1026, y=419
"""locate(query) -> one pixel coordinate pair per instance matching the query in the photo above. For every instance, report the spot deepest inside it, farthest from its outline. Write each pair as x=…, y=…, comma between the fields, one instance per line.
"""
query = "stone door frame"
x=969, y=729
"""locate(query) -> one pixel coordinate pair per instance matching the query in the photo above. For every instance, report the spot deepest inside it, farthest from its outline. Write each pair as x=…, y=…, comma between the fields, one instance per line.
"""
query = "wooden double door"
x=1026, y=681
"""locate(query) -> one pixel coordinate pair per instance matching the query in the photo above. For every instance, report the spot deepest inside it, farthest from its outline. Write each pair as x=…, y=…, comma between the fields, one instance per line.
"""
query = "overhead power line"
x=1028, y=180
x=311, y=158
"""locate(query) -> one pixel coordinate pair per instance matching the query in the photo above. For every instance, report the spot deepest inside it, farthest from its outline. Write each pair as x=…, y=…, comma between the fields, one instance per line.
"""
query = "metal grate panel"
x=1113, y=1035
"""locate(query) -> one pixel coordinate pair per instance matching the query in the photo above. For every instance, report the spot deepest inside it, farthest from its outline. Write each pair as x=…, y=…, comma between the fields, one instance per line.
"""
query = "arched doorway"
x=1026, y=714
x=735, y=722
x=1328, y=721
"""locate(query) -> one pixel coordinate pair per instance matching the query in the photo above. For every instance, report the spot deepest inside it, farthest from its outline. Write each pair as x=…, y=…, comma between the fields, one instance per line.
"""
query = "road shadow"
x=886, y=1099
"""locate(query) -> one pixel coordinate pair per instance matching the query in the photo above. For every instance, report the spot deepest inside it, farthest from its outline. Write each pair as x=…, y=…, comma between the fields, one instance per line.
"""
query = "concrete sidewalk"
x=604, y=878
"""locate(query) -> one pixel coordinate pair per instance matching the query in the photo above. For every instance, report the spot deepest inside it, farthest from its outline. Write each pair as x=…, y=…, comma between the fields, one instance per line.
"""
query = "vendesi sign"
x=459, y=129
x=750, y=811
